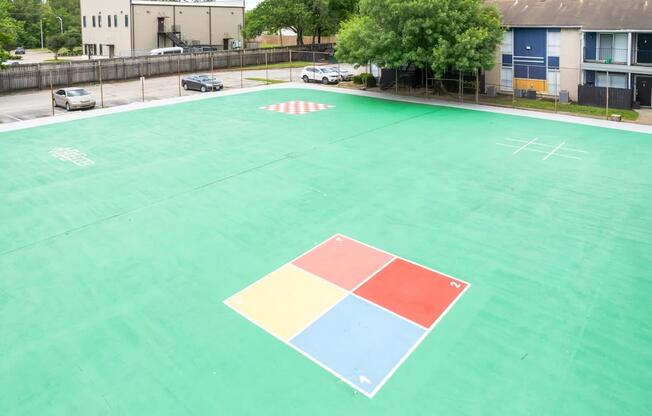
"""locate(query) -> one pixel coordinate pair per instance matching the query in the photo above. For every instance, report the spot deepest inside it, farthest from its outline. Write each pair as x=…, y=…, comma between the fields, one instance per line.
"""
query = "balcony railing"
x=617, y=56
x=605, y=55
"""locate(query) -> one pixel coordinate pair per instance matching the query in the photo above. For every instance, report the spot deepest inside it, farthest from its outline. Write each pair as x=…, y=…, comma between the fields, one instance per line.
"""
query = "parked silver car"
x=73, y=99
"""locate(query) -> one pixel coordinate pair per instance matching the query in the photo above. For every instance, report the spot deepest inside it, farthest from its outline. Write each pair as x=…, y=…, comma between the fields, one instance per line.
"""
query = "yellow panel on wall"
x=539, y=85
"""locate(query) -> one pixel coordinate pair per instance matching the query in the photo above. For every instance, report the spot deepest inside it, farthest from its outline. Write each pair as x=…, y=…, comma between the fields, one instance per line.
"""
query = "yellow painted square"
x=287, y=300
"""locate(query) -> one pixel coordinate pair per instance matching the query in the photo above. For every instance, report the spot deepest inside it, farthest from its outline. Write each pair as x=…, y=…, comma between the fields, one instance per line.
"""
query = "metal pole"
x=314, y=74
x=396, y=79
x=42, y=44
x=61, y=23
x=556, y=90
x=99, y=63
x=290, y=64
x=266, y=71
x=179, y=72
x=142, y=87
x=459, y=92
x=477, y=86
x=212, y=67
x=607, y=114
x=242, y=52
x=51, y=93
x=426, y=79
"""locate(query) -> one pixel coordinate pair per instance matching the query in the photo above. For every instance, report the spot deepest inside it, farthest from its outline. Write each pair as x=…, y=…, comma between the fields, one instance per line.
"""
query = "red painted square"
x=414, y=292
x=343, y=261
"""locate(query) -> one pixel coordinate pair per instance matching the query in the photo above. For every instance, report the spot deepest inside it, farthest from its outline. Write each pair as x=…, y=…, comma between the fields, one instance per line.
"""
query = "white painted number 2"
x=456, y=285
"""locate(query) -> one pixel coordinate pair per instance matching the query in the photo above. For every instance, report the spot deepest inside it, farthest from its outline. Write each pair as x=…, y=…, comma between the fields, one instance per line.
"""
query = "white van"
x=166, y=51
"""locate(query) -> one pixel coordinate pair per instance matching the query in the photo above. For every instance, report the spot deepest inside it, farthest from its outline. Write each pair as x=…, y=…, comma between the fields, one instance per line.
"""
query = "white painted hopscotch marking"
x=549, y=150
x=72, y=155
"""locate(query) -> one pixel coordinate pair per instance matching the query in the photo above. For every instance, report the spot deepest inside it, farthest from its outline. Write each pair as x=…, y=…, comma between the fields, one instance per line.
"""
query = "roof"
x=222, y=3
x=585, y=14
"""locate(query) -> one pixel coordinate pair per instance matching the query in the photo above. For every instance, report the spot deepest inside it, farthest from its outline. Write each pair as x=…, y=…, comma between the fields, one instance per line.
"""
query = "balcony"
x=612, y=56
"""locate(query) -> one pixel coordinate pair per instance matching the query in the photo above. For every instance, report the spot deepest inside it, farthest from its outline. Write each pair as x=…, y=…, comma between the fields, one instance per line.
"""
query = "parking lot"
x=35, y=104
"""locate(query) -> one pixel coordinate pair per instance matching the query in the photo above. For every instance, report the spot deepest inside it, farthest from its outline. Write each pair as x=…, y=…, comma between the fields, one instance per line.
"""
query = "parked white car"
x=345, y=74
x=73, y=99
x=325, y=75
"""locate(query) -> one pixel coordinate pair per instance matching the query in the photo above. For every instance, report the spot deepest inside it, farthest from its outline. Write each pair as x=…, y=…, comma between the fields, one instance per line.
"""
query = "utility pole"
x=42, y=44
x=60, y=23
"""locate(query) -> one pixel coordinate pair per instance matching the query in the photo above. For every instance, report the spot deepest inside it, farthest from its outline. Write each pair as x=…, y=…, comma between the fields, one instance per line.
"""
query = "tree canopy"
x=435, y=34
x=304, y=17
x=8, y=30
x=30, y=13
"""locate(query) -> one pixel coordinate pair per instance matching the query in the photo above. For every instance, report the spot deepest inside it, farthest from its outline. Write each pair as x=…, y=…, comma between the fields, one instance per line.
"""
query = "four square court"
x=355, y=310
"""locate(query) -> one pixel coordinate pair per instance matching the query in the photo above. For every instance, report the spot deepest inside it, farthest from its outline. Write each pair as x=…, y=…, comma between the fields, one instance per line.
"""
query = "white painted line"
x=324, y=366
x=416, y=344
x=553, y=151
x=403, y=318
x=566, y=148
x=529, y=149
x=300, y=351
x=524, y=146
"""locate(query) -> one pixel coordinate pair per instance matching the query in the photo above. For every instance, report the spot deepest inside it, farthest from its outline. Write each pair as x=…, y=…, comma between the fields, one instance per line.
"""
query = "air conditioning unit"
x=492, y=91
x=564, y=97
x=532, y=94
x=518, y=93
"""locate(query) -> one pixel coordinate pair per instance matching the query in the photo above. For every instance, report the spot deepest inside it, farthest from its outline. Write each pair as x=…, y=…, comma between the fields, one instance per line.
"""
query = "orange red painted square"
x=343, y=261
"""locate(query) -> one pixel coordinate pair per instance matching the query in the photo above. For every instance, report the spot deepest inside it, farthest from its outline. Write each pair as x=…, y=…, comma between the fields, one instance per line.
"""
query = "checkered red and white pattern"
x=297, y=107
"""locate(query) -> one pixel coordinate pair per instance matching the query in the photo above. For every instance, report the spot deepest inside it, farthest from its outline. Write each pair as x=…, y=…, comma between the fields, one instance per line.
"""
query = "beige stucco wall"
x=197, y=23
x=492, y=77
x=569, y=60
x=105, y=35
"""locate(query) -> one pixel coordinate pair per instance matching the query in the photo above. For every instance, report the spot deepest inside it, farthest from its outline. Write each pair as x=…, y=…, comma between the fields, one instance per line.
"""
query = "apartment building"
x=134, y=27
x=554, y=45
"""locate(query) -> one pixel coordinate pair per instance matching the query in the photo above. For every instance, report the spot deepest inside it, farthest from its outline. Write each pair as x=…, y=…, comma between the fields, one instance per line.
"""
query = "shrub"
x=77, y=51
x=360, y=79
x=64, y=52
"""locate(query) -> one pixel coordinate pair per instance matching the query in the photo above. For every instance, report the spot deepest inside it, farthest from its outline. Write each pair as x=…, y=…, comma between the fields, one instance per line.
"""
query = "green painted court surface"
x=113, y=274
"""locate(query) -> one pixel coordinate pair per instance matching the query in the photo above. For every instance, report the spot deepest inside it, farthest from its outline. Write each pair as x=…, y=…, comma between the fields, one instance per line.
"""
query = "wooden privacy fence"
x=39, y=76
x=597, y=97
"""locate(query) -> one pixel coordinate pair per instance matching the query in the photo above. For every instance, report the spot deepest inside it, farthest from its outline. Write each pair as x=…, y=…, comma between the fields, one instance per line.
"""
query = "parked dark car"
x=19, y=51
x=201, y=83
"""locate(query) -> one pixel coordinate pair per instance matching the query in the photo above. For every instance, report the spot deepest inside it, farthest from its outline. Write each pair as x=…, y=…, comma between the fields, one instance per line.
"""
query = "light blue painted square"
x=359, y=341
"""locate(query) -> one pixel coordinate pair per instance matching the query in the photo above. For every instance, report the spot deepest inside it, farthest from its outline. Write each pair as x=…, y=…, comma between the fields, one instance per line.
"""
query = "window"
x=93, y=21
x=109, y=21
x=615, y=80
x=126, y=20
x=99, y=21
x=553, y=82
x=115, y=20
x=553, y=43
x=84, y=21
x=506, y=79
x=101, y=50
x=506, y=47
x=612, y=47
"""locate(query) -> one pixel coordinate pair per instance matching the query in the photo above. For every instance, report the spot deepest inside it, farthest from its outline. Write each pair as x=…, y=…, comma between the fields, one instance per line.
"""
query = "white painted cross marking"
x=553, y=151
x=525, y=145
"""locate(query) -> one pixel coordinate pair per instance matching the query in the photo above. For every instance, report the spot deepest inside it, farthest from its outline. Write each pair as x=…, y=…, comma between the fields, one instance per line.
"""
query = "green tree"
x=303, y=17
x=55, y=43
x=435, y=34
x=9, y=28
x=273, y=15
